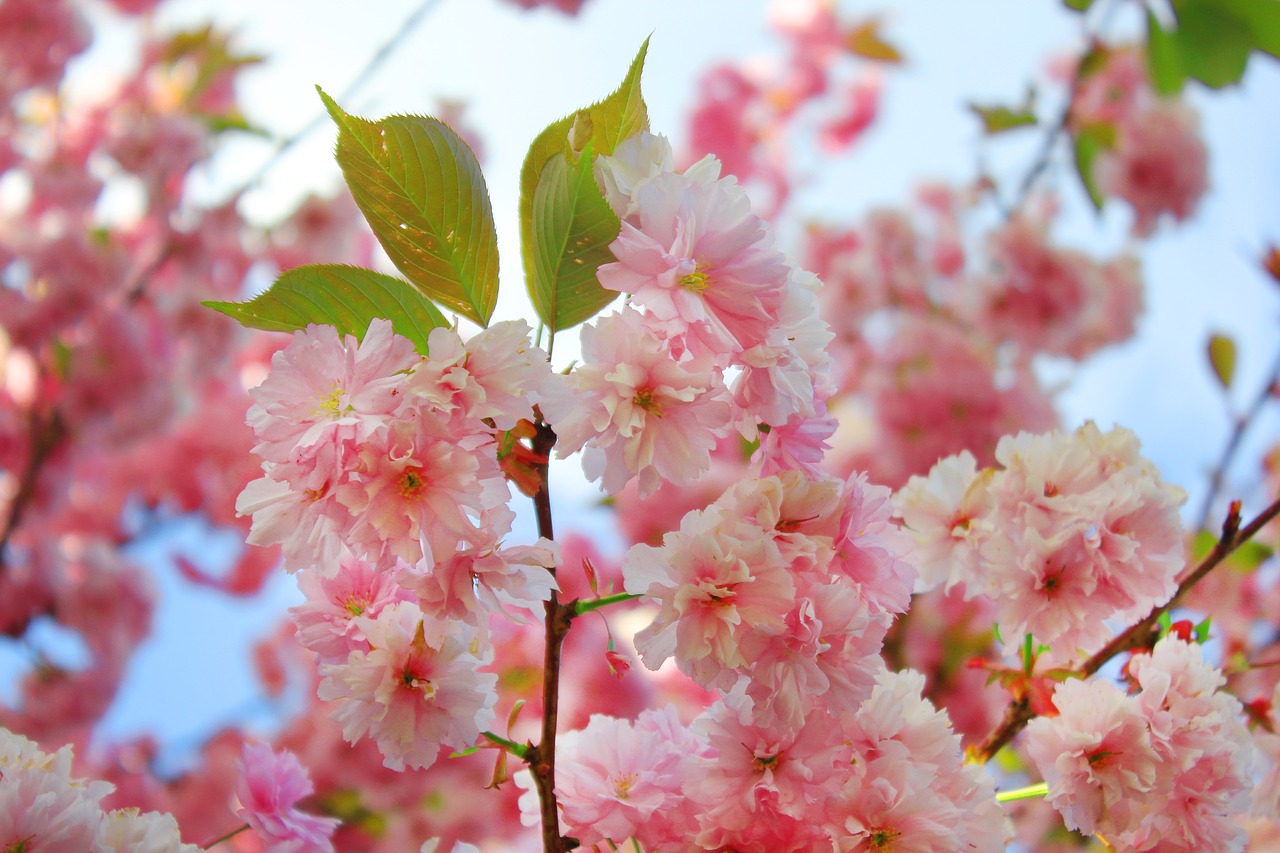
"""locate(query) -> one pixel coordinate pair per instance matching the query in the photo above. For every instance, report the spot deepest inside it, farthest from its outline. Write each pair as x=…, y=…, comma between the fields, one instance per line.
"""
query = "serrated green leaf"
x=599, y=128
x=1222, y=359
x=420, y=188
x=344, y=297
x=1089, y=142
x=1213, y=44
x=572, y=229
x=1164, y=64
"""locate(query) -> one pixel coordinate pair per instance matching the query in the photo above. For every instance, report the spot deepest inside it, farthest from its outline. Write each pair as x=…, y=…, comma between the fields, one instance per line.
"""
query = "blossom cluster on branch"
x=864, y=558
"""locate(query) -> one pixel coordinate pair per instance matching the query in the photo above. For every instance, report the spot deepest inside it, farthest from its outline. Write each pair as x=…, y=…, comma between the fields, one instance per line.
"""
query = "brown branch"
x=1242, y=422
x=542, y=757
x=1140, y=635
x=1061, y=123
x=46, y=432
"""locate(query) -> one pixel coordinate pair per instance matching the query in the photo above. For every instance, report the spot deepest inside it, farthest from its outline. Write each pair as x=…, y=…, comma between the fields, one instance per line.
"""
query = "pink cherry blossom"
x=722, y=586
x=1097, y=757
x=1159, y=165
x=617, y=780
x=639, y=411
x=271, y=785
x=326, y=623
x=700, y=262
x=326, y=396
x=410, y=693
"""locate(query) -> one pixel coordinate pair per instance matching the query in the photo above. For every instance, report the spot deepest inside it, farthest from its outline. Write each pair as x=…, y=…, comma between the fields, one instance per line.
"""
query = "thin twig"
x=371, y=67
x=1139, y=635
x=1242, y=424
x=1060, y=124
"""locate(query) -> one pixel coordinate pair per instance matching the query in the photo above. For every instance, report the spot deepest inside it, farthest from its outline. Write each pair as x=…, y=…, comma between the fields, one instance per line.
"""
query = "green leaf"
x=864, y=39
x=420, y=188
x=1222, y=359
x=1078, y=5
x=572, y=229
x=1261, y=17
x=1164, y=64
x=997, y=119
x=1213, y=44
x=597, y=129
x=1089, y=142
x=1246, y=558
x=1249, y=556
x=344, y=297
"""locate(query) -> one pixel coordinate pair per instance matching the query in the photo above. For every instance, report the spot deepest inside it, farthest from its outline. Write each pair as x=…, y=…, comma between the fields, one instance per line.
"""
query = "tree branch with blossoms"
x=1140, y=635
x=767, y=570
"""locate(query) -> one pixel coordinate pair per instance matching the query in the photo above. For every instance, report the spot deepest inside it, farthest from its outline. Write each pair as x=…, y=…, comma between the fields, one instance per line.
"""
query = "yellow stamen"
x=695, y=281
x=330, y=404
x=644, y=399
x=411, y=483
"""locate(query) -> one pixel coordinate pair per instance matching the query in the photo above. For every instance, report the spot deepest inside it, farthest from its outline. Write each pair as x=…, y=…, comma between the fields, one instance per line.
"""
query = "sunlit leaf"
x=1244, y=559
x=1261, y=17
x=1213, y=44
x=347, y=298
x=1164, y=65
x=1089, y=142
x=420, y=188
x=597, y=129
x=865, y=40
x=573, y=227
x=1222, y=359
x=997, y=119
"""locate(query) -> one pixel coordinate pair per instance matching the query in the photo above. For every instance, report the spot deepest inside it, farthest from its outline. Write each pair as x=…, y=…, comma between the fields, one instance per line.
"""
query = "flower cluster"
x=382, y=483
x=883, y=770
x=43, y=807
x=1074, y=530
x=720, y=333
x=1157, y=161
x=781, y=589
x=1166, y=768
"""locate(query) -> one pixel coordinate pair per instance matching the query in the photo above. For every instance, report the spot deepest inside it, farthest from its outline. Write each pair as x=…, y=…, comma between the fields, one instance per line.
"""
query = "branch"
x=542, y=757
x=1242, y=423
x=1140, y=635
x=371, y=67
x=1041, y=163
x=45, y=434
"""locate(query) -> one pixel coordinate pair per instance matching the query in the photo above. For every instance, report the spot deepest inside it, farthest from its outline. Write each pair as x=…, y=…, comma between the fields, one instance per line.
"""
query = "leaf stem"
x=581, y=607
x=1039, y=789
x=519, y=750
x=232, y=834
